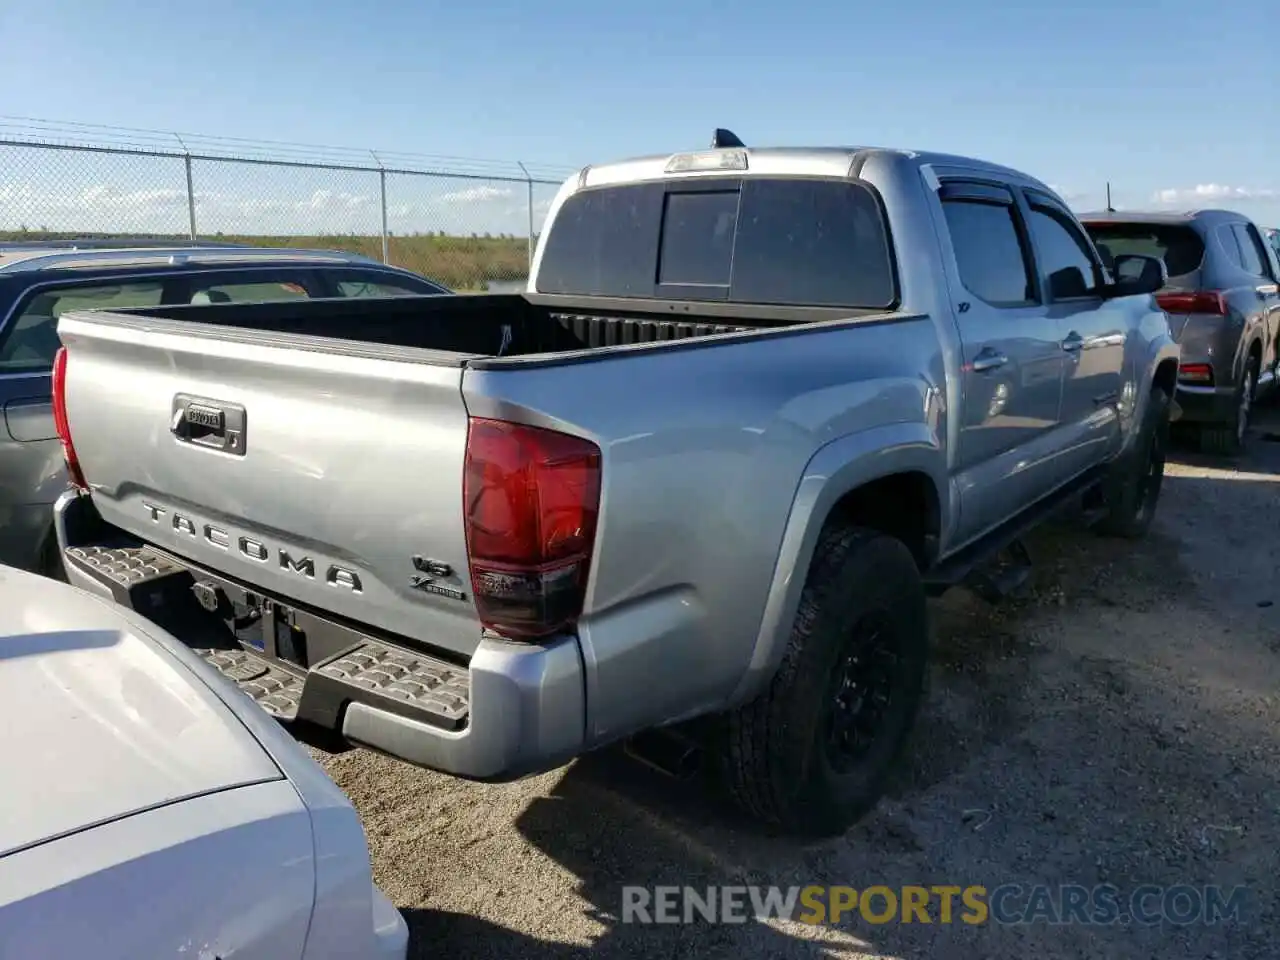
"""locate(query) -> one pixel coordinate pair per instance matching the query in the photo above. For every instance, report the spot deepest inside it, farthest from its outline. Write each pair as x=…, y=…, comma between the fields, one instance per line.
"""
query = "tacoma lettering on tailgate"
x=252, y=549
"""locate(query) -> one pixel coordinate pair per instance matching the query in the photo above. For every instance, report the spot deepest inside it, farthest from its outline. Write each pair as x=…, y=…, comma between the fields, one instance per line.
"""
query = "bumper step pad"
x=274, y=689
x=393, y=679
x=390, y=678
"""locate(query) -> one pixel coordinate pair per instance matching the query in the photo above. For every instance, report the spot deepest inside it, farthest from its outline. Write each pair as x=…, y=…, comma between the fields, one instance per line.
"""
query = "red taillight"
x=1198, y=373
x=1193, y=301
x=530, y=498
x=60, y=421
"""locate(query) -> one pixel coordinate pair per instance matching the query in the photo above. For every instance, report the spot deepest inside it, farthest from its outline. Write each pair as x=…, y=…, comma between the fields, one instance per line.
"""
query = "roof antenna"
x=725, y=138
x=1110, y=208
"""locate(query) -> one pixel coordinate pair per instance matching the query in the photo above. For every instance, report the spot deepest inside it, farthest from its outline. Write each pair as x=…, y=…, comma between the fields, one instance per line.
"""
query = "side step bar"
x=293, y=663
x=966, y=566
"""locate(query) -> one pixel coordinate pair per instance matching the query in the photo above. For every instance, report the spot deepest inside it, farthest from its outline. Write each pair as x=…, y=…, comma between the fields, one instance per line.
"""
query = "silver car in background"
x=1223, y=305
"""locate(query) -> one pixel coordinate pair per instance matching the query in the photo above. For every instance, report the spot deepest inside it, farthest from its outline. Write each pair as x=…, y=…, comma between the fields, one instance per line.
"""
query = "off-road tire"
x=773, y=751
x=1132, y=490
x=1228, y=439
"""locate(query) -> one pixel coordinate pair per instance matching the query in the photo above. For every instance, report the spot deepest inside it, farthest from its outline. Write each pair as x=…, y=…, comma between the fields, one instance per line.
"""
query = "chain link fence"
x=468, y=224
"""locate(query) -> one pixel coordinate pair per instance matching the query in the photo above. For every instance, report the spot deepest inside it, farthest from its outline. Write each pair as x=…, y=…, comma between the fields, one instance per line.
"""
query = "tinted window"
x=367, y=288
x=30, y=340
x=256, y=292
x=604, y=243
x=1252, y=254
x=697, y=238
x=819, y=242
x=1227, y=239
x=1179, y=247
x=1063, y=255
x=988, y=254
x=771, y=241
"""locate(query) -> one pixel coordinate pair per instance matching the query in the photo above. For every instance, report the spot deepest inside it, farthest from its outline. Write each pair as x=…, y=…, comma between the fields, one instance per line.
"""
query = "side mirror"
x=1137, y=274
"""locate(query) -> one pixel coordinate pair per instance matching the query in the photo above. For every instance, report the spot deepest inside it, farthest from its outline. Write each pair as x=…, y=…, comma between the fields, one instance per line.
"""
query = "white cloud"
x=1212, y=193
x=326, y=200
x=477, y=195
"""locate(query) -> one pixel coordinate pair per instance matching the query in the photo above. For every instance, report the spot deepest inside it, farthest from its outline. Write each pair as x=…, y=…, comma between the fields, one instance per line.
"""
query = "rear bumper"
x=514, y=709
x=1207, y=404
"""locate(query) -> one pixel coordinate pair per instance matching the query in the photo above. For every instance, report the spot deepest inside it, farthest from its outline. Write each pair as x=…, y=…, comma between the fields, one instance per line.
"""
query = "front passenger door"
x=1092, y=330
x=1012, y=363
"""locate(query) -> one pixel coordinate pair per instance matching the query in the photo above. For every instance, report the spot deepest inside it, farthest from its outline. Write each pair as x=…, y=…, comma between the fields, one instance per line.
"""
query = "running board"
x=965, y=566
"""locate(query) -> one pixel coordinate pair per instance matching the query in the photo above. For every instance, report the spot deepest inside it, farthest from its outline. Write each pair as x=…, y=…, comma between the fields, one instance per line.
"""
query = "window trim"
x=992, y=194
x=1039, y=202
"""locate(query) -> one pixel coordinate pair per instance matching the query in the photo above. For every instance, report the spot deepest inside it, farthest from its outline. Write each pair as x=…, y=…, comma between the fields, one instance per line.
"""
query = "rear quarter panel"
x=705, y=447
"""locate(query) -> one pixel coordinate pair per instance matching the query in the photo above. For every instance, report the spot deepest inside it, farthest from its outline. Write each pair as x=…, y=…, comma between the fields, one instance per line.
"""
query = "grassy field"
x=460, y=263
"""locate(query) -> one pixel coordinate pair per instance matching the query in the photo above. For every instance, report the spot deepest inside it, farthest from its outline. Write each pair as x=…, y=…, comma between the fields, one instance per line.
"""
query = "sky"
x=1173, y=102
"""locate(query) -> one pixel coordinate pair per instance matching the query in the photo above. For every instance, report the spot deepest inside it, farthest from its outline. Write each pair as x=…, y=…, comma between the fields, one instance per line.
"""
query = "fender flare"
x=835, y=469
x=1160, y=349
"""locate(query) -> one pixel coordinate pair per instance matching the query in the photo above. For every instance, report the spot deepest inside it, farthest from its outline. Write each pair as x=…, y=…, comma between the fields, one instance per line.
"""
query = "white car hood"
x=100, y=720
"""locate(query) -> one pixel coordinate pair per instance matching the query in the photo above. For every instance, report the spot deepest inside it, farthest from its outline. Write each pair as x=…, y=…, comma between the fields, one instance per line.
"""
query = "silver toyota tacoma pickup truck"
x=754, y=407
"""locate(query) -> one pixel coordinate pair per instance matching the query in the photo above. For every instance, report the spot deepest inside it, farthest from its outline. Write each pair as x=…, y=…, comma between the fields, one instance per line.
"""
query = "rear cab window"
x=787, y=241
x=1179, y=247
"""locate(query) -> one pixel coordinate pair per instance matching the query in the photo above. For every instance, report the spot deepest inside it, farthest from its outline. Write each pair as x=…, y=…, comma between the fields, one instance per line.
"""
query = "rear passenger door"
x=1013, y=361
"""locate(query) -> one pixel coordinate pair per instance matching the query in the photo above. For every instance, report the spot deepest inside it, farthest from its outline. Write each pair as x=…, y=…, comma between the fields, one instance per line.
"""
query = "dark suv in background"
x=40, y=282
x=1223, y=305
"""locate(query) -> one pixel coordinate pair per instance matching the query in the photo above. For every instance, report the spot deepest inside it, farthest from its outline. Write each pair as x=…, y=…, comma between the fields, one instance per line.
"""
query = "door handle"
x=1074, y=342
x=988, y=359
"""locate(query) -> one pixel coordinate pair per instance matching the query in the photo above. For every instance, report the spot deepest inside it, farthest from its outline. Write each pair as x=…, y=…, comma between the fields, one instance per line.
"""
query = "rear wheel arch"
x=905, y=505
x=1166, y=376
x=905, y=499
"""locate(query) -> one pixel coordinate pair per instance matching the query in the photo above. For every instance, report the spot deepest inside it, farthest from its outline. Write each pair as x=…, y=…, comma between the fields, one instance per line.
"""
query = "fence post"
x=382, y=192
x=191, y=193
x=529, y=183
x=191, y=198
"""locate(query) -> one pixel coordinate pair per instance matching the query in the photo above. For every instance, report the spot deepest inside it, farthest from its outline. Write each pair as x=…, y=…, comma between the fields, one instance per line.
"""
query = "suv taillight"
x=530, y=499
x=60, y=421
x=1211, y=302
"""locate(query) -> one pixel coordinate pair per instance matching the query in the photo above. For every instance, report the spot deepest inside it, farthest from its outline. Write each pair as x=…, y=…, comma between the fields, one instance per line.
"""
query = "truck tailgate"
x=317, y=474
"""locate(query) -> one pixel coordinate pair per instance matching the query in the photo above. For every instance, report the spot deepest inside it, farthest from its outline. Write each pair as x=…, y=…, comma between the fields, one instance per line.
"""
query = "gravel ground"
x=1117, y=724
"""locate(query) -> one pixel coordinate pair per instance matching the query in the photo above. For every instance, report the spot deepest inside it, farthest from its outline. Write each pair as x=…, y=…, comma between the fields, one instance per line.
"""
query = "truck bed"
x=490, y=325
x=315, y=451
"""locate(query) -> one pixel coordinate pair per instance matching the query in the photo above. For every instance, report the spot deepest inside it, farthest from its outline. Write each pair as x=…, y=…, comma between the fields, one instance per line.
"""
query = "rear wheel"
x=1228, y=439
x=1133, y=489
x=812, y=753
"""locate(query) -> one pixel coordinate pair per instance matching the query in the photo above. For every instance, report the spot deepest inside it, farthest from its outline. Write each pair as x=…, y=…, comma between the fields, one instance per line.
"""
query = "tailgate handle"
x=215, y=424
